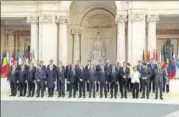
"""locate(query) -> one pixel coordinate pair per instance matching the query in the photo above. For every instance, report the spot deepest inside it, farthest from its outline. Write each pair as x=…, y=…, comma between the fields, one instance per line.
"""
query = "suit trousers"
x=40, y=88
x=135, y=90
x=145, y=87
x=113, y=89
x=103, y=87
x=152, y=84
x=31, y=88
x=50, y=92
x=61, y=89
x=92, y=86
x=72, y=87
x=82, y=88
x=22, y=88
x=159, y=87
x=13, y=86
x=123, y=88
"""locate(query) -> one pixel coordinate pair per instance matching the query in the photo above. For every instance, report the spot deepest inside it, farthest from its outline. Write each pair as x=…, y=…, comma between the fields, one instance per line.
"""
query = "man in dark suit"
x=98, y=69
x=82, y=80
x=61, y=80
x=152, y=66
x=108, y=68
x=118, y=67
x=87, y=72
x=71, y=81
x=113, y=82
x=103, y=82
x=68, y=67
x=21, y=79
x=77, y=69
x=139, y=68
x=124, y=72
x=146, y=75
x=12, y=78
x=31, y=80
x=40, y=76
x=160, y=76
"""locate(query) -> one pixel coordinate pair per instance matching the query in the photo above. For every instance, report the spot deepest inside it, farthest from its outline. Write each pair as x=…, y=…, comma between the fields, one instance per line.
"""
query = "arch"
x=94, y=11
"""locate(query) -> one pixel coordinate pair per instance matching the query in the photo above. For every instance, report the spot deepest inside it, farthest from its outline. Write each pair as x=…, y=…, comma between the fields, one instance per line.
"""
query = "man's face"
x=73, y=66
x=107, y=61
x=51, y=61
x=13, y=67
x=89, y=62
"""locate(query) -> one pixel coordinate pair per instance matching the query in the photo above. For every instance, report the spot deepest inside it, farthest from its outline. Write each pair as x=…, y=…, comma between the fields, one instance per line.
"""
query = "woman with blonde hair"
x=135, y=76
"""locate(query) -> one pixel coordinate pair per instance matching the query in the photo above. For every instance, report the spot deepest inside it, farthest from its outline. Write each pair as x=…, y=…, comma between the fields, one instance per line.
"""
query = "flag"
x=172, y=69
x=12, y=59
x=156, y=56
x=148, y=55
x=144, y=56
x=161, y=54
x=4, y=69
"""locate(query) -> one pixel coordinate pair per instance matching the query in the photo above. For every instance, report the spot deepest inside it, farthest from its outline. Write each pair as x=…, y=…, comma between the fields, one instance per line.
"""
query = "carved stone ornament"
x=153, y=18
x=61, y=19
x=45, y=19
x=121, y=18
x=136, y=17
x=32, y=19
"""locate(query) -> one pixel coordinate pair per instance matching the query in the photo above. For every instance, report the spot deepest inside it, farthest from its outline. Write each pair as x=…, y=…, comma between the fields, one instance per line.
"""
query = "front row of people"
x=27, y=78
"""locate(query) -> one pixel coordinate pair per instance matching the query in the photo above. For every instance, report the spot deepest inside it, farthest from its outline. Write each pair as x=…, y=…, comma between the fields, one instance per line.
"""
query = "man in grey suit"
x=159, y=77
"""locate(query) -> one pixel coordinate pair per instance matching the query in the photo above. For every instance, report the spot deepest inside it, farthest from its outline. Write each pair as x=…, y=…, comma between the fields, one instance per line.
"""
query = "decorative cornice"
x=153, y=18
x=32, y=19
x=62, y=19
x=136, y=17
x=45, y=19
x=121, y=18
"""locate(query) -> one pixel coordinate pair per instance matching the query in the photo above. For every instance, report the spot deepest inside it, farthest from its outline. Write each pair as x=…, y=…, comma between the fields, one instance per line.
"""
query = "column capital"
x=61, y=19
x=121, y=18
x=153, y=18
x=136, y=17
x=45, y=19
x=32, y=19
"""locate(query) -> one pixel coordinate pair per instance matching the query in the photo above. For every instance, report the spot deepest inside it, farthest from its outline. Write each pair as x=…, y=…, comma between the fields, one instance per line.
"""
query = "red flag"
x=148, y=55
x=156, y=56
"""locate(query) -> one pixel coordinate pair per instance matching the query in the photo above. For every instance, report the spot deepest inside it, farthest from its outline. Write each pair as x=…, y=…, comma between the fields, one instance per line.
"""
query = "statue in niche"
x=98, y=49
x=168, y=50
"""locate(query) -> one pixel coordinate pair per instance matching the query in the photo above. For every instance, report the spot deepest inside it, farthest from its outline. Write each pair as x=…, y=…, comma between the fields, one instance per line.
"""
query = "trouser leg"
x=42, y=83
x=101, y=89
x=111, y=89
x=125, y=89
x=137, y=89
x=160, y=86
x=115, y=90
x=38, y=89
x=93, y=88
x=133, y=90
x=105, y=89
x=70, y=89
x=63, y=89
x=90, y=88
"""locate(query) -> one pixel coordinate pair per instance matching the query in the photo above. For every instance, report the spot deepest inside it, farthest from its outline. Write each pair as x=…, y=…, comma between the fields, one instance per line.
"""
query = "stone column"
x=47, y=38
x=33, y=21
x=63, y=42
x=152, y=20
x=121, y=41
x=76, y=48
x=137, y=37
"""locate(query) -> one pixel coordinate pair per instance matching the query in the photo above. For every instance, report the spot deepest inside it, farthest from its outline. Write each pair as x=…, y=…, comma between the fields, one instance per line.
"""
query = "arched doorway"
x=92, y=32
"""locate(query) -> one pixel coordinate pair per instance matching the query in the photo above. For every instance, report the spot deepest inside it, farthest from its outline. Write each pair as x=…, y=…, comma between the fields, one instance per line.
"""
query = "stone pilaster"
x=33, y=21
x=136, y=37
x=47, y=38
x=152, y=20
x=121, y=41
x=63, y=41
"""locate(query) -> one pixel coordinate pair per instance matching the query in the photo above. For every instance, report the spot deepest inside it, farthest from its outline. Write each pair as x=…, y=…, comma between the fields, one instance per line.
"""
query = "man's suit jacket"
x=61, y=75
x=160, y=76
x=124, y=74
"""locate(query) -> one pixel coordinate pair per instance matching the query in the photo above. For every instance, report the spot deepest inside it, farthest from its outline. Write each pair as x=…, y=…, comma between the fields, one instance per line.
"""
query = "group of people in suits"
x=102, y=78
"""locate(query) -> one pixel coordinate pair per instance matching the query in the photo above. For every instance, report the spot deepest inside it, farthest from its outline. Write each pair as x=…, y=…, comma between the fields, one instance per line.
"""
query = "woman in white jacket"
x=135, y=75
